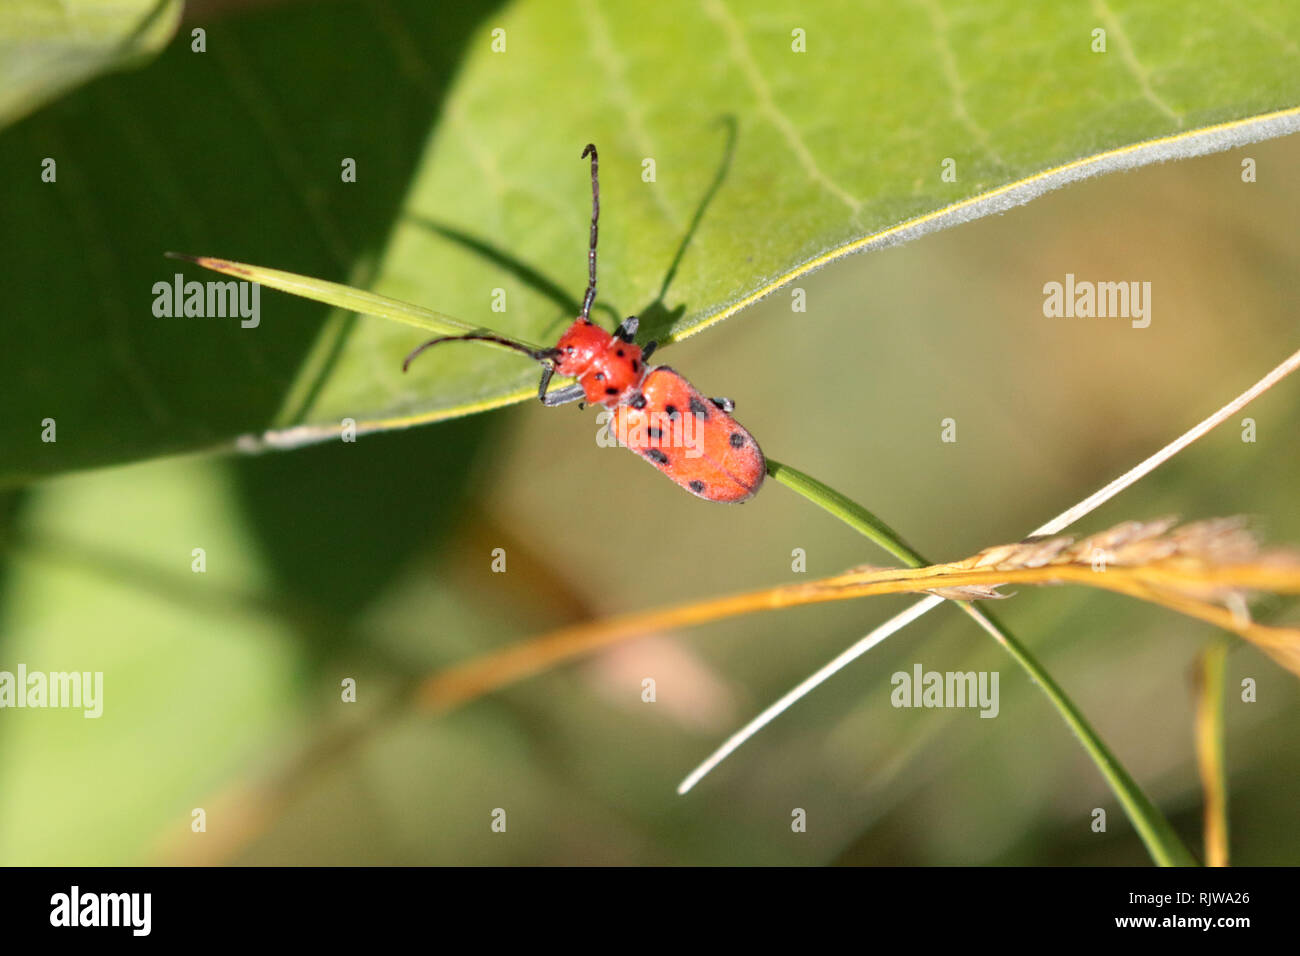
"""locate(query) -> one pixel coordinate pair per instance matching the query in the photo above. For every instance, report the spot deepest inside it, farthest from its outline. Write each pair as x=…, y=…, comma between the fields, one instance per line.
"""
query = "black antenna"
x=591, y=253
x=537, y=355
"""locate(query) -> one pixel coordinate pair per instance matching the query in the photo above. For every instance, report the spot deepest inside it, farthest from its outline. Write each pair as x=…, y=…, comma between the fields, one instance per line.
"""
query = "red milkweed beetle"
x=656, y=413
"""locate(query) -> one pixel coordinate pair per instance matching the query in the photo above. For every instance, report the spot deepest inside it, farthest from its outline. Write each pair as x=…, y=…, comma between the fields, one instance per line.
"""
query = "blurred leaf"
x=196, y=682
x=11, y=505
x=49, y=46
x=731, y=162
x=204, y=674
x=336, y=522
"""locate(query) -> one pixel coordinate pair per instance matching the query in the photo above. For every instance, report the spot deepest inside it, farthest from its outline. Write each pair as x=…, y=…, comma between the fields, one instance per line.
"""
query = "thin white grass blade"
x=1100, y=497
x=896, y=623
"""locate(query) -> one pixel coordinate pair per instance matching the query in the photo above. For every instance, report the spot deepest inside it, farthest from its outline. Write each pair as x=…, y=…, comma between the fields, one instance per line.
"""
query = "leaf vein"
x=741, y=53
x=614, y=65
x=956, y=86
x=1129, y=56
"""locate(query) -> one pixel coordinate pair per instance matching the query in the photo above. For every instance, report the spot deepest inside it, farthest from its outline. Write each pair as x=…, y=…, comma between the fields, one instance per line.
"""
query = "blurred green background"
x=373, y=561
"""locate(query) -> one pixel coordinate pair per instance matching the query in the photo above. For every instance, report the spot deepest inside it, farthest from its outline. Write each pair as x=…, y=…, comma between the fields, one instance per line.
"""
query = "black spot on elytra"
x=656, y=433
x=671, y=411
x=611, y=390
x=638, y=402
x=655, y=455
x=697, y=487
x=698, y=408
x=620, y=353
x=636, y=366
x=737, y=439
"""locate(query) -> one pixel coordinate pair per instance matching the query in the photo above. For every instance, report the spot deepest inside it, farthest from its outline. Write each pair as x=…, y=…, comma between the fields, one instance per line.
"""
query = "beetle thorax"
x=608, y=368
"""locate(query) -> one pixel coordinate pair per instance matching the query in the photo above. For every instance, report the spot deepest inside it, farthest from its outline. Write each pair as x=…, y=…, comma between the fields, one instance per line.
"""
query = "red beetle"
x=693, y=440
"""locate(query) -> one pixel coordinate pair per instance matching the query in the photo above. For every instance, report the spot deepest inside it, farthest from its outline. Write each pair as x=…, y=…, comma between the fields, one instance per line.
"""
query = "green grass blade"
x=1152, y=826
x=336, y=294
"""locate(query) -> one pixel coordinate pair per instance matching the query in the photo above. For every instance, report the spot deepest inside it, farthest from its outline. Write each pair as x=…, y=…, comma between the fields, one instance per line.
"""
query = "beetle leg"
x=627, y=329
x=570, y=393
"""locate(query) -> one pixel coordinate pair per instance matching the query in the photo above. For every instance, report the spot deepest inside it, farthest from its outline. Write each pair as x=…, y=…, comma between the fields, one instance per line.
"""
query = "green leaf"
x=767, y=163
x=234, y=149
x=48, y=47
